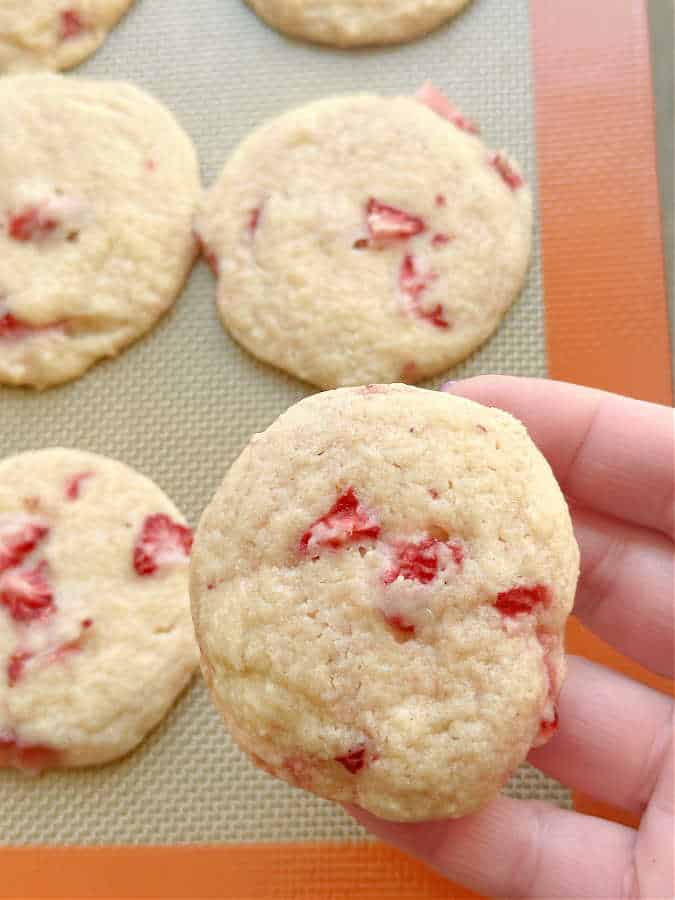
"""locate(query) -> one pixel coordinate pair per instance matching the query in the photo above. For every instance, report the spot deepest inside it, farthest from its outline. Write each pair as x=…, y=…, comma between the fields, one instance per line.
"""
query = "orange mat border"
x=606, y=324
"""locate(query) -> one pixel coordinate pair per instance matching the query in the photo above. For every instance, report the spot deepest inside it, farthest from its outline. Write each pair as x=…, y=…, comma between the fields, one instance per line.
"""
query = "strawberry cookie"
x=379, y=589
x=96, y=640
x=367, y=239
x=355, y=23
x=39, y=34
x=98, y=190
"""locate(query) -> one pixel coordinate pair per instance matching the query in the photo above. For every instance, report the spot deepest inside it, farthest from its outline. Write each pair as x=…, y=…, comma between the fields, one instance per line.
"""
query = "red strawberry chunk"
x=507, y=172
x=30, y=224
x=420, y=561
x=522, y=600
x=430, y=96
x=413, y=281
x=387, y=223
x=347, y=521
x=17, y=540
x=253, y=220
x=15, y=666
x=14, y=753
x=354, y=759
x=71, y=24
x=400, y=623
x=18, y=660
x=439, y=240
x=210, y=258
x=26, y=593
x=161, y=542
x=547, y=727
x=73, y=485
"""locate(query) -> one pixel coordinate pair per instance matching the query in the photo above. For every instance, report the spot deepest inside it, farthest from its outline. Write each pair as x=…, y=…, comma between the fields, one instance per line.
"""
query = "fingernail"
x=448, y=385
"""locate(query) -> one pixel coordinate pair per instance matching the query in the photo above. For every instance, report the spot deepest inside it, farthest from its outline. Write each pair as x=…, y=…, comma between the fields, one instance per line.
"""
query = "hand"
x=614, y=459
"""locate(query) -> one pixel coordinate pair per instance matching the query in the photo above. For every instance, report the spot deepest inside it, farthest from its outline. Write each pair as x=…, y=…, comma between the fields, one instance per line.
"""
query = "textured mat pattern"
x=180, y=404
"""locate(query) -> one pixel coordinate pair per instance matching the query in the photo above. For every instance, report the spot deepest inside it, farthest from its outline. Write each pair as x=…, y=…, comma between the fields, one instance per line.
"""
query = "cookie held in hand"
x=380, y=588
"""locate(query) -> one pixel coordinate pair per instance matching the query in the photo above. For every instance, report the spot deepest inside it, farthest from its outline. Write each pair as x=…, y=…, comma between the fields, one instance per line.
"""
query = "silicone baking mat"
x=181, y=403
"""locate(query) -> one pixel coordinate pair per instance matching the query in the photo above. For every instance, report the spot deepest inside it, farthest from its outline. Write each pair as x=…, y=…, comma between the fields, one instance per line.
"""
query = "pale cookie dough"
x=355, y=23
x=366, y=239
x=98, y=191
x=96, y=640
x=54, y=34
x=379, y=589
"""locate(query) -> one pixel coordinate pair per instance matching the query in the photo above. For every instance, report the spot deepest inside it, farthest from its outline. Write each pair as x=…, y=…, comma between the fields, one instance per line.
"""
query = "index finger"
x=609, y=453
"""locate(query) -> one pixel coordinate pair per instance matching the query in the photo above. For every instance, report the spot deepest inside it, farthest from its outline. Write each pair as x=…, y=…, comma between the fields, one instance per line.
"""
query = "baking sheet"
x=181, y=403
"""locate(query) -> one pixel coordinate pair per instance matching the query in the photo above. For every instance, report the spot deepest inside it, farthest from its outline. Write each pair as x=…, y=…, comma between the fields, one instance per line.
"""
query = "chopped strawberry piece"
x=15, y=666
x=354, y=760
x=438, y=240
x=413, y=282
x=345, y=522
x=548, y=727
x=14, y=329
x=150, y=165
x=73, y=485
x=440, y=200
x=522, y=600
x=430, y=96
x=253, y=220
x=161, y=542
x=420, y=561
x=11, y=327
x=30, y=224
x=71, y=24
x=32, y=757
x=69, y=647
x=386, y=222
x=210, y=257
x=507, y=172
x=17, y=540
x=26, y=593
x=400, y=623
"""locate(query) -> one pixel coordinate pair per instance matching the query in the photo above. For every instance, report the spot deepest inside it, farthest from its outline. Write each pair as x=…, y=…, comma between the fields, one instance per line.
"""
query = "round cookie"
x=366, y=239
x=98, y=193
x=379, y=589
x=54, y=35
x=96, y=640
x=356, y=23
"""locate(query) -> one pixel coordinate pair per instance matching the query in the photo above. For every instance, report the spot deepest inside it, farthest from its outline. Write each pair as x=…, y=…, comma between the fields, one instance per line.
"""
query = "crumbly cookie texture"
x=44, y=34
x=354, y=23
x=366, y=239
x=379, y=589
x=96, y=640
x=98, y=191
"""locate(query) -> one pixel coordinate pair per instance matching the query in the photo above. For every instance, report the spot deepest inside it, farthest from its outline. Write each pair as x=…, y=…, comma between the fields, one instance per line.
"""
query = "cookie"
x=38, y=34
x=366, y=239
x=96, y=640
x=379, y=589
x=356, y=23
x=98, y=191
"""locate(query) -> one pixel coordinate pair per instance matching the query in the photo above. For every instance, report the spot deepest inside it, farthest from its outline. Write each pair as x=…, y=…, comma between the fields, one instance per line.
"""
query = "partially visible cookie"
x=379, y=589
x=98, y=191
x=366, y=239
x=355, y=23
x=54, y=34
x=96, y=640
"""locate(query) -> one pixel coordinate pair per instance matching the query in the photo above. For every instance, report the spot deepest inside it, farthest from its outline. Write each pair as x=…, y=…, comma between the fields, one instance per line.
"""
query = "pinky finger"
x=518, y=848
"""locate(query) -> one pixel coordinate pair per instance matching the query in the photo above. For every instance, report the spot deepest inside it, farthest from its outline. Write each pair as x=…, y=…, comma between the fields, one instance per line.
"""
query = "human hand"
x=614, y=459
